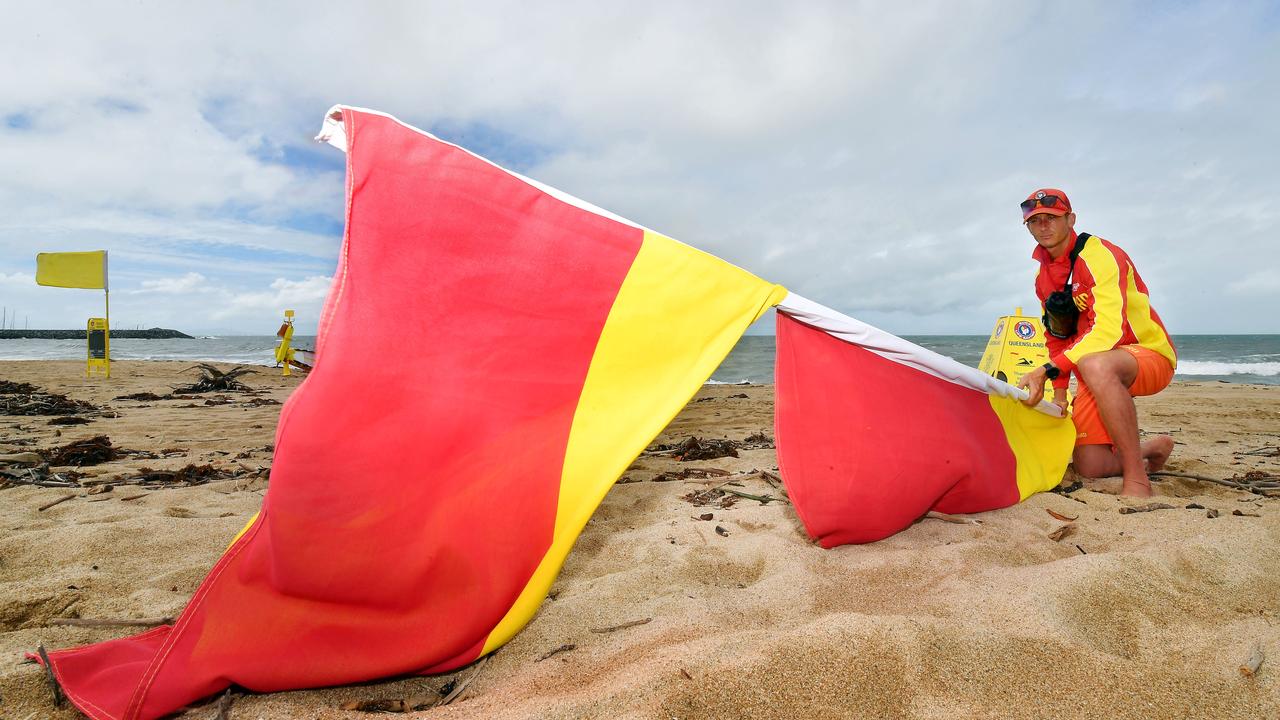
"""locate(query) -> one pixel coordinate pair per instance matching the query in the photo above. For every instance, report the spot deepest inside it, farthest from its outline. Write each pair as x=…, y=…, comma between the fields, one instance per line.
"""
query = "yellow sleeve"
x=1102, y=318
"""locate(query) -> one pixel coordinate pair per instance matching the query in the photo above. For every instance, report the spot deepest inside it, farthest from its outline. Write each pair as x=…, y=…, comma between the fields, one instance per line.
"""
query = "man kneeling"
x=1099, y=324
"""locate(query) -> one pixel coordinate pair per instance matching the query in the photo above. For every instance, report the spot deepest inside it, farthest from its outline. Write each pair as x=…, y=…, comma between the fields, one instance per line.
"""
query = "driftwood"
x=48, y=505
x=1149, y=507
x=552, y=653
x=53, y=681
x=214, y=380
x=693, y=472
x=954, y=519
x=94, y=622
x=623, y=626
x=1060, y=516
x=1254, y=481
x=457, y=690
x=762, y=499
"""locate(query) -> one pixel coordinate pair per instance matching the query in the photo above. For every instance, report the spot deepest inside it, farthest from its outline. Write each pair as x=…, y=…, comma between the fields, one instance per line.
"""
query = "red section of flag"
x=416, y=474
x=867, y=445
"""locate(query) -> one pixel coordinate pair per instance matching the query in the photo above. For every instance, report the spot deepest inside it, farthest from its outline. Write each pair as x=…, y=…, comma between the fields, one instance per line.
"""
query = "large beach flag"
x=72, y=269
x=492, y=355
x=874, y=431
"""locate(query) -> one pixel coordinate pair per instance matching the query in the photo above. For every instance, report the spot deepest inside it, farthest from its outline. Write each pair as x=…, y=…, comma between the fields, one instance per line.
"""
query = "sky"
x=867, y=155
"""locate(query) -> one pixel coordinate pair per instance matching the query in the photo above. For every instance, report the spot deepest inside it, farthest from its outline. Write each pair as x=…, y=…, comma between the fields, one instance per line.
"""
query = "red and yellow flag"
x=874, y=431
x=492, y=355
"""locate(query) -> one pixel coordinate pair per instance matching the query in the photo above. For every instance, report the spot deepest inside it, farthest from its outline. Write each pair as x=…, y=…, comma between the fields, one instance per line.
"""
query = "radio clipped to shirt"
x=1060, y=312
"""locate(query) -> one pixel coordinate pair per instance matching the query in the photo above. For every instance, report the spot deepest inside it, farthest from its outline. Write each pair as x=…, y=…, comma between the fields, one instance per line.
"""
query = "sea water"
x=1228, y=358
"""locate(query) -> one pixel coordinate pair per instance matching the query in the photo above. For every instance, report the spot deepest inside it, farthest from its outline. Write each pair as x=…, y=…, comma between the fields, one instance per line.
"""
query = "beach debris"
x=705, y=517
x=1194, y=506
x=954, y=519
x=757, y=441
x=410, y=704
x=22, y=458
x=694, y=448
x=145, y=396
x=1257, y=482
x=721, y=531
x=224, y=706
x=43, y=403
x=110, y=622
x=1062, y=532
x=1082, y=552
x=1264, y=451
x=90, y=451
x=1241, y=513
x=686, y=674
x=190, y=474
x=1211, y=513
x=214, y=380
x=48, y=505
x=693, y=472
x=1249, y=668
x=457, y=690
x=624, y=626
x=739, y=395
x=1060, y=516
x=8, y=387
x=552, y=653
x=1149, y=507
x=711, y=495
x=762, y=499
x=69, y=420
x=48, y=673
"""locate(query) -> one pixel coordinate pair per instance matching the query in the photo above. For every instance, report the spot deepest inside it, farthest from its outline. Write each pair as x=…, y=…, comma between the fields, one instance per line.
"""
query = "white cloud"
x=191, y=282
x=866, y=155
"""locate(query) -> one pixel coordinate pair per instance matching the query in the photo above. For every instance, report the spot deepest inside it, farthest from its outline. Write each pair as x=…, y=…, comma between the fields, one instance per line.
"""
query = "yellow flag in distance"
x=72, y=269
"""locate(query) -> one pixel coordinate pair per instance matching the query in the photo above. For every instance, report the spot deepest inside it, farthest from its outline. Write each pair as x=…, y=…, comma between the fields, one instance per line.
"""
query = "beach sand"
x=1145, y=615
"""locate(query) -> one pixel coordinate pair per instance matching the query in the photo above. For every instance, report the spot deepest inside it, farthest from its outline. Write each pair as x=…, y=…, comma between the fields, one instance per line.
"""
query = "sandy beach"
x=679, y=601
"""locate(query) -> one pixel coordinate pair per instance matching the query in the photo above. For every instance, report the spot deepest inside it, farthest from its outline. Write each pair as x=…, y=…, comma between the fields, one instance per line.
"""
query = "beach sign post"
x=284, y=353
x=98, y=341
x=83, y=270
x=1016, y=347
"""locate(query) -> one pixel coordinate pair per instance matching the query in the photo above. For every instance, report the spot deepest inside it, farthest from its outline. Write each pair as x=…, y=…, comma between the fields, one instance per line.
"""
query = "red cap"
x=1062, y=207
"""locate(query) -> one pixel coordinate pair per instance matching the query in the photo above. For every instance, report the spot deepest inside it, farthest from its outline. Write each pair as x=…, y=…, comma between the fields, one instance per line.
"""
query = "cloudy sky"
x=868, y=156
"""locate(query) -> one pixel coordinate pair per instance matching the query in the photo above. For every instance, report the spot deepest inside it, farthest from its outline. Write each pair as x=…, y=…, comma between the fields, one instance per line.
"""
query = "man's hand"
x=1033, y=383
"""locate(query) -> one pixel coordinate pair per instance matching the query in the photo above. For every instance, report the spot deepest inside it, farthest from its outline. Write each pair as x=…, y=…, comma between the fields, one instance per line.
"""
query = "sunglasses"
x=1046, y=201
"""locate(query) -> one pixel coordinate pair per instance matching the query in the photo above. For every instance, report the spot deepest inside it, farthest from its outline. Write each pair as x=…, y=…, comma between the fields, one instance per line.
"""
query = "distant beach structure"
x=151, y=334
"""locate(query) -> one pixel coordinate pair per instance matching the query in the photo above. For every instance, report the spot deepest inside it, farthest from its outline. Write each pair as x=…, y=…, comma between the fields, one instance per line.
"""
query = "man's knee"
x=1104, y=368
x=1094, y=461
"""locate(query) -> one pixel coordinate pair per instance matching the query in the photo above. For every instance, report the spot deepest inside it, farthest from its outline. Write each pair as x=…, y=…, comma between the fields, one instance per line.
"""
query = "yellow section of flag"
x=677, y=315
x=72, y=269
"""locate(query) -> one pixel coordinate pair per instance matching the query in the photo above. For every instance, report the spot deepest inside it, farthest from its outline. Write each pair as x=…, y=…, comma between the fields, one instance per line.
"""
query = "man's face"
x=1051, y=231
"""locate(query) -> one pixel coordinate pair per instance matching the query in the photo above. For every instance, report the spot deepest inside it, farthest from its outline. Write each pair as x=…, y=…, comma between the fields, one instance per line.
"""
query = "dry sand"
x=1133, y=616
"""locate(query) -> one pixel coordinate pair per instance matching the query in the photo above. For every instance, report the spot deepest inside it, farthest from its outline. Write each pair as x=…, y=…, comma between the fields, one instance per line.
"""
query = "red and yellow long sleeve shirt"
x=1115, y=307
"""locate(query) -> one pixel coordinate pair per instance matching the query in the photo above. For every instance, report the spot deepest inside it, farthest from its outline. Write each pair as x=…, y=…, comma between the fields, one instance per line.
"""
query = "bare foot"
x=1137, y=487
x=1157, y=451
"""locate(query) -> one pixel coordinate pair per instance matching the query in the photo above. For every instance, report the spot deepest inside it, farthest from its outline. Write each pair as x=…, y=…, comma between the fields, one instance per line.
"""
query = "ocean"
x=1228, y=358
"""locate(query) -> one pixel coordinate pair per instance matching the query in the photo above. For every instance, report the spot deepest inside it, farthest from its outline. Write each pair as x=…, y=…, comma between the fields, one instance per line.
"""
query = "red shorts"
x=1154, y=374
